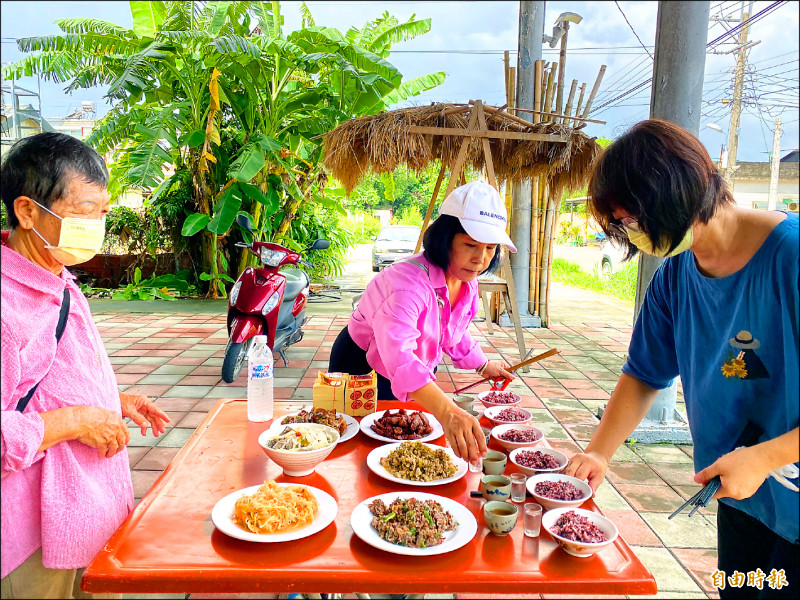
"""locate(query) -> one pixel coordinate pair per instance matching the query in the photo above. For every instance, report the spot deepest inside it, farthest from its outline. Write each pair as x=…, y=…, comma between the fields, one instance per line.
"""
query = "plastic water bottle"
x=259, y=380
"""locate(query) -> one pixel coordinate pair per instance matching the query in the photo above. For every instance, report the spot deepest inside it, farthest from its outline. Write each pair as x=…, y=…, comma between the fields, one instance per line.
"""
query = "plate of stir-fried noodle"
x=274, y=512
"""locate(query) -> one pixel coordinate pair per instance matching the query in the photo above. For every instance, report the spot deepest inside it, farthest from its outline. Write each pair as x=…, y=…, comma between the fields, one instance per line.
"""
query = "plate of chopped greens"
x=413, y=523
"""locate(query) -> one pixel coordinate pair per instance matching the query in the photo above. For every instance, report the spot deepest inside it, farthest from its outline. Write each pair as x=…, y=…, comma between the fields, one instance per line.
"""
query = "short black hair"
x=41, y=167
x=661, y=175
x=438, y=241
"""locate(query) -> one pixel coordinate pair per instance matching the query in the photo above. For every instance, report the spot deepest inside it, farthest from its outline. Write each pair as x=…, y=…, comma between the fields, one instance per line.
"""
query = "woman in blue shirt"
x=722, y=313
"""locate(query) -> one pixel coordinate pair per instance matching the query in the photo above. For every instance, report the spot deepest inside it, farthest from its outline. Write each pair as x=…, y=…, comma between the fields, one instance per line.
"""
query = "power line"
x=632, y=29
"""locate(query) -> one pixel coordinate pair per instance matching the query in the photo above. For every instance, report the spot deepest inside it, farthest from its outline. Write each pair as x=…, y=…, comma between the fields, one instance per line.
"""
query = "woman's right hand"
x=464, y=433
x=589, y=466
x=102, y=429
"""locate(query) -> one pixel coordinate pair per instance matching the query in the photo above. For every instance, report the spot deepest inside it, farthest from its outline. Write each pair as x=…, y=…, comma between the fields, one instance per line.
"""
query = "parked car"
x=611, y=258
x=394, y=242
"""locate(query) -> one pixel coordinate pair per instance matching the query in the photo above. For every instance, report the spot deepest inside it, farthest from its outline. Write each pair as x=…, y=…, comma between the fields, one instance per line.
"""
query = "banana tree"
x=215, y=90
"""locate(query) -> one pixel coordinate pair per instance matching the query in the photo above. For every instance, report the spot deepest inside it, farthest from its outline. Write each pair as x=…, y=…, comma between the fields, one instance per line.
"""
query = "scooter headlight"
x=271, y=303
x=235, y=292
x=272, y=258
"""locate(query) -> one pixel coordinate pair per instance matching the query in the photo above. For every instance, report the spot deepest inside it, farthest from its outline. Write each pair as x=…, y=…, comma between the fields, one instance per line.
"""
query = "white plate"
x=222, y=517
x=374, y=464
x=361, y=522
x=369, y=419
x=349, y=433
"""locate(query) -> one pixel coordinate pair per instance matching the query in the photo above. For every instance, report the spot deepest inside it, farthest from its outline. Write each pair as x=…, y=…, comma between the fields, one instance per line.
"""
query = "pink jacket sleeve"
x=397, y=334
x=465, y=351
x=21, y=434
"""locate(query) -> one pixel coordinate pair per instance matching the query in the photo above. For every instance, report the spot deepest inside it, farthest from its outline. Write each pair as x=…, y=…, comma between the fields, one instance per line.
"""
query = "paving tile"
x=607, y=498
x=632, y=473
x=143, y=369
x=151, y=391
x=221, y=391
x=201, y=380
x=128, y=378
x=675, y=474
x=135, y=453
x=205, y=405
x=168, y=380
x=682, y=531
x=553, y=430
x=192, y=419
x=651, y=498
x=670, y=575
x=187, y=391
x=139, y=440
x=156, y=459
x=170, y=369
x=143, y=481
x=150, y=360
x=176, y=404
x=175, y=438
x=701, y=564
x=662, y=453
x=633, y=528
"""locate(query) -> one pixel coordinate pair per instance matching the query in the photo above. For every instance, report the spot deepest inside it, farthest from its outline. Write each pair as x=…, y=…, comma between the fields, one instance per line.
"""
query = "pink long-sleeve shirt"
x=66, y=500
x=405, y=321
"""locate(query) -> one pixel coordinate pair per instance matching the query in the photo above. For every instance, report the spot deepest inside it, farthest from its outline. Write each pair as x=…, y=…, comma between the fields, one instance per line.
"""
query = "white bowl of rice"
x=556, y=490
x=579, y=532
x=517, y=435
x=299, y=447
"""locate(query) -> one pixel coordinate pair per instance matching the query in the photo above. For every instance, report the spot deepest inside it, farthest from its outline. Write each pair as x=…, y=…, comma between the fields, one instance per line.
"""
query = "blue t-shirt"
x=734, y=342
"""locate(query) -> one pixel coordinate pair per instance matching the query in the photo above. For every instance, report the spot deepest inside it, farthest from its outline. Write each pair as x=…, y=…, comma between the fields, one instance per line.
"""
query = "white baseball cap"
x=481, y=212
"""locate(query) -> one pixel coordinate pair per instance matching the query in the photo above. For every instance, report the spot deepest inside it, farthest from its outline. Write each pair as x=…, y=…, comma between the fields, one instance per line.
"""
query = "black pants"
x=348, y=357
x=746, y=544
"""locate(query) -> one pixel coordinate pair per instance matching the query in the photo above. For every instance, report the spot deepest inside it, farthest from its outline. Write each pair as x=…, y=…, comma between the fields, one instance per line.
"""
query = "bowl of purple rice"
x=579, y=532
x=499, y=398
x=556, y=490
x=500, y=415
x=533, y=461
x=512, y=436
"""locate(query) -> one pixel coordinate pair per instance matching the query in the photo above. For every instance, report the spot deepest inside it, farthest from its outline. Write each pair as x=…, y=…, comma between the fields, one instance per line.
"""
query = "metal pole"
x=676, y=96
x=736, y=109
x=774, y=172
x=531, y=30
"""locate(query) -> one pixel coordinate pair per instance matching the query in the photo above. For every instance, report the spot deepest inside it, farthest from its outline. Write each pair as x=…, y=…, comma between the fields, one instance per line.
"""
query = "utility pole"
x=775, y=166
x=736, y=110
x=676, y=96
x=531, y=30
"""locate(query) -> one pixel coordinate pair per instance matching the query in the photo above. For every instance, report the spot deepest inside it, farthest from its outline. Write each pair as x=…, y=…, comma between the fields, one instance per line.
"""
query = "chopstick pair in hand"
x=701, y=498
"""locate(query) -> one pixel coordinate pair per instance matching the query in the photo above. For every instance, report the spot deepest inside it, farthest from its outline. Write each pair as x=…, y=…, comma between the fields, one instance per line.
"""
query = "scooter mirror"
x=244, y=222
x=320, y=244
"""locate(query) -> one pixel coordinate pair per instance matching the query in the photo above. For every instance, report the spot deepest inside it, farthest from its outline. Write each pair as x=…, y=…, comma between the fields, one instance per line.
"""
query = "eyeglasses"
x=621, y=226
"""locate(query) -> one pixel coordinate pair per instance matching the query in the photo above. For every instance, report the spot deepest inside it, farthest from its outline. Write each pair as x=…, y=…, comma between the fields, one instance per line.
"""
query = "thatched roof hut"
x=381, y=142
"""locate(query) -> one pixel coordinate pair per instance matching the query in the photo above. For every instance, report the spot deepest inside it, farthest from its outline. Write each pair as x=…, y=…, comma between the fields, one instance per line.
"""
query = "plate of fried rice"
x=416, y=463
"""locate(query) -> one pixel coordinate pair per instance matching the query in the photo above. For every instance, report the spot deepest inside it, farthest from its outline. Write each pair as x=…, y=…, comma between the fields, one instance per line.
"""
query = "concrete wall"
x=751, y=184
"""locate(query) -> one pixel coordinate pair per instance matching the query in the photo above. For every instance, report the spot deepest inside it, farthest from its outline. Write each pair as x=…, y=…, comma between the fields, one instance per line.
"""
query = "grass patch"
x=621, y=284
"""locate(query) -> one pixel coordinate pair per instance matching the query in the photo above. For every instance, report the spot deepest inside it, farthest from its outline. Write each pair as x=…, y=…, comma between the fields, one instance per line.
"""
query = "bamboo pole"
x=506, y=66
x=549, y=268
x=538, y=69
x=594, y=92
x=544, y=279
x=580, y=103
x=551, y=86
x=542, y=211
x=512, y=86
x=545, y=67
x=562, y=64
x=552, y=114
x=568, y=108
x=431, y=204
x=535, y=216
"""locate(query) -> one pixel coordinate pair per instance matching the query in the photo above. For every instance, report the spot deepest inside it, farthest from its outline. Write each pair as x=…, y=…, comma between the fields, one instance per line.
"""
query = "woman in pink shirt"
x=420, y=307
x=66, y=483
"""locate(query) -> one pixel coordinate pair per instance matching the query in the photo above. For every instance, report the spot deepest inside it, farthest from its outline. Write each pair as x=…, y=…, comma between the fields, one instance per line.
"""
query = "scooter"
x=266, y=301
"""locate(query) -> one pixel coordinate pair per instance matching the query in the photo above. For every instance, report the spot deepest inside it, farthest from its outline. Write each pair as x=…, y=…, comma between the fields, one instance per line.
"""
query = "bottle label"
x=261, y=372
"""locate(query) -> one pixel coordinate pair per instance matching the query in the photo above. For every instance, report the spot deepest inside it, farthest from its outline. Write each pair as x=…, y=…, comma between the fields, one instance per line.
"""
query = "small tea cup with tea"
x=494, y=463
x=501, y=517
x=496, y=487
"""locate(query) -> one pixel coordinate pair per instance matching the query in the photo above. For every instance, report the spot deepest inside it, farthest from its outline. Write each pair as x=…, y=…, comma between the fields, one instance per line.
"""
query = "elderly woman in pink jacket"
x=66, y=483
x=422, y=306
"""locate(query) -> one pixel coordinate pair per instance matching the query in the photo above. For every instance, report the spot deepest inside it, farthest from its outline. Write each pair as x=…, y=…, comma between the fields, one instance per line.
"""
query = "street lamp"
x=723, y=152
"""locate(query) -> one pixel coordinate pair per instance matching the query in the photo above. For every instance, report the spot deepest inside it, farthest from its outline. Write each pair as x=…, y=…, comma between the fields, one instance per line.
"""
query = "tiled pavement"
x=176, y=359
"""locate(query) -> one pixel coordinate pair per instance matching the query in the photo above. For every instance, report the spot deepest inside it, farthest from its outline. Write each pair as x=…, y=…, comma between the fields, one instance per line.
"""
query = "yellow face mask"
x=641, y=241
x=79, y=240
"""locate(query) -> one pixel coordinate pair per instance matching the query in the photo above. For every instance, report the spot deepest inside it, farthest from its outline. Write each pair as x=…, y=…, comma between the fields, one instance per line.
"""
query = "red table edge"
x=250, y=581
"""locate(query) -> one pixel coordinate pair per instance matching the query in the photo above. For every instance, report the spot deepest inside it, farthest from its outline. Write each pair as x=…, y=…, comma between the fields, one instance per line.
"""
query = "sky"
x=467, y=40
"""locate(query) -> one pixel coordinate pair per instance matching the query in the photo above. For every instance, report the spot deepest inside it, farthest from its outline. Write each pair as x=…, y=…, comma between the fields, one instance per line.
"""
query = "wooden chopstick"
x=524, y=363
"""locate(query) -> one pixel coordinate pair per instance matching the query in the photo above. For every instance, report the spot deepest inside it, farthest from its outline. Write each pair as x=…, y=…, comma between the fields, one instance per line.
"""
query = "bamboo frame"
x=562, y=65
x=580, y=103
x=538, y=69
x=568, y=107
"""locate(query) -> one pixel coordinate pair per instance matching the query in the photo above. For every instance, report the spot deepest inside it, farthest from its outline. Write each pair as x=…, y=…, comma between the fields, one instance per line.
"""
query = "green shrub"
x=363, y=228
x=621, y=284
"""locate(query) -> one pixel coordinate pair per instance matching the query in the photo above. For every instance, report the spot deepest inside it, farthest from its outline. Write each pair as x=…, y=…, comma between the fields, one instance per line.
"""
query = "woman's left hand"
x=143, y=412
x=741, y=473
x=496, y=369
